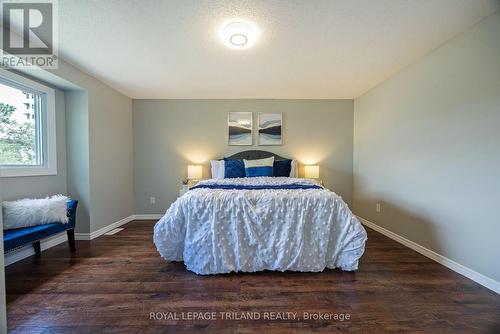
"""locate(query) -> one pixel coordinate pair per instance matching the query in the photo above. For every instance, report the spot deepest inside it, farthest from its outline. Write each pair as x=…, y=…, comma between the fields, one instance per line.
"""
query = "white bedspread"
x=220, y=231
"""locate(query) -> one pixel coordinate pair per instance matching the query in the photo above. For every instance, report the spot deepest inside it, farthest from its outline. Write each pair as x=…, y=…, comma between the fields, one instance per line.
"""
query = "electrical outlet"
x=152, y=200
x=378, y=207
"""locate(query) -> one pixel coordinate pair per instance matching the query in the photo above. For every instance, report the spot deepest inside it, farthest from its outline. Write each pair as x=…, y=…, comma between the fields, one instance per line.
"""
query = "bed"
x=260, y=223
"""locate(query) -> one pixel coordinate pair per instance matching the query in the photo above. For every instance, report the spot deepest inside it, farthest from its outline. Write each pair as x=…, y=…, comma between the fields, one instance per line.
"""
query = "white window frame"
x=48, y=126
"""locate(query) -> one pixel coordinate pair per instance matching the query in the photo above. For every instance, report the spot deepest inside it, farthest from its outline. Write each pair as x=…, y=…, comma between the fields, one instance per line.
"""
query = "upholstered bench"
x=19, y=237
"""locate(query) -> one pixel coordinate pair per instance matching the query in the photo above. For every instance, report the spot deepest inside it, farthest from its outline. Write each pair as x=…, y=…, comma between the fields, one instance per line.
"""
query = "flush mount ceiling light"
x=238, y=35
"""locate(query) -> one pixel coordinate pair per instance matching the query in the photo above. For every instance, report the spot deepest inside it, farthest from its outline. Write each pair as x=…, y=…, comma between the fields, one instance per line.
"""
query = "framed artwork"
x=239, y=126
x=270, y=128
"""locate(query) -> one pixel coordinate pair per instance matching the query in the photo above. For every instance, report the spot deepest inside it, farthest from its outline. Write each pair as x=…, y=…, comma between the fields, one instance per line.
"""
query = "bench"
x=20, y=237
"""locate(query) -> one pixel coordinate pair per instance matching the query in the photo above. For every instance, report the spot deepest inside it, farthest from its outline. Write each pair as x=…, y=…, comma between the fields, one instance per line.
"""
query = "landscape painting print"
x=269, y=128
x=240, y=128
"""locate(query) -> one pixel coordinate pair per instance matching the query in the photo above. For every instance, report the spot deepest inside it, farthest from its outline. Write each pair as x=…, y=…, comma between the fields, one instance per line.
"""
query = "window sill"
x=27, y=171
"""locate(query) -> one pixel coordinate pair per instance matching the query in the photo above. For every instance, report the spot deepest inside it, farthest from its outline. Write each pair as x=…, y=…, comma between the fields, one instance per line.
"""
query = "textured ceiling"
x=307, y=48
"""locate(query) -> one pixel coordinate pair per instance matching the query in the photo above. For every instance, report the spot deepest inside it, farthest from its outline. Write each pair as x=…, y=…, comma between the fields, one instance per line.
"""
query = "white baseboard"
x=147, y=216
x=101, y=231
x=22, y=253
x=455, y=266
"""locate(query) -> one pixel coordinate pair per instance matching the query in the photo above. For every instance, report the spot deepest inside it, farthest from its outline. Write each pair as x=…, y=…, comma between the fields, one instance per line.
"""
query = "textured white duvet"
x=220, y=231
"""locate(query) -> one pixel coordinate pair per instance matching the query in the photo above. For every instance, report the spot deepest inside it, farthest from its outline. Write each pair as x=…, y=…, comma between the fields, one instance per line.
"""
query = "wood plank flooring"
x=113, y=283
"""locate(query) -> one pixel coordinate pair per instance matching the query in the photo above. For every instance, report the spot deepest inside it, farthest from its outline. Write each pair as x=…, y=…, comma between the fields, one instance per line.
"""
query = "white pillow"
x=31, y=212
x=217, y=169
x=294, y=170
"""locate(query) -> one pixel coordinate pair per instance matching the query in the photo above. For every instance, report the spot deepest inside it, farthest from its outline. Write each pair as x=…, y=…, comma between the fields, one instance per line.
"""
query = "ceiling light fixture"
x=238, y=35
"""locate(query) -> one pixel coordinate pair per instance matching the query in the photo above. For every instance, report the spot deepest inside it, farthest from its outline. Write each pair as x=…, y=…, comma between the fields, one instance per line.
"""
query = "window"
x=27, y=127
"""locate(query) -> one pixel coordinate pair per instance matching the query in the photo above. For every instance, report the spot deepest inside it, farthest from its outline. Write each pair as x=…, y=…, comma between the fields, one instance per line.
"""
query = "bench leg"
x=71, y=239
x=36, y=246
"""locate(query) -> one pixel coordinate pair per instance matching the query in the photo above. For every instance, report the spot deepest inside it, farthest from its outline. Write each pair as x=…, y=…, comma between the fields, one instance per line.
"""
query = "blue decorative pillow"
x=282, y=168
x=260, y=167
x=233, y=168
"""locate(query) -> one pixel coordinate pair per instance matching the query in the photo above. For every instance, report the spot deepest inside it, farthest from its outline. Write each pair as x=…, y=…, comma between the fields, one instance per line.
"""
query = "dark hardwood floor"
x=113, y=283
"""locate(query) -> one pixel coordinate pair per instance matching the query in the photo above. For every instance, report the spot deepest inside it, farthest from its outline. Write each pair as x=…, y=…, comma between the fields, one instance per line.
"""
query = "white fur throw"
x=31, y=212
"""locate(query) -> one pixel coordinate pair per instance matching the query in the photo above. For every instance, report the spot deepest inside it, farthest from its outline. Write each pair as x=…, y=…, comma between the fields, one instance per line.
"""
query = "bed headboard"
x=255, y=154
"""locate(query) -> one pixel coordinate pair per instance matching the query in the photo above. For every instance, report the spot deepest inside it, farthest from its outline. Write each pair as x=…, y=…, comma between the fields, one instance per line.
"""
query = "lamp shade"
x=312, y=172
x=194, y=172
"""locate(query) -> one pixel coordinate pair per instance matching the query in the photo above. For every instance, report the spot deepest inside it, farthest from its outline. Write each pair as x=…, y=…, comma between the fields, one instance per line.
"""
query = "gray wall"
x=427, y=146
x=170, y=134
x=41, y=186
x=108, y=119
x=110, y=148
x=99, y=147
x=77, y=129
x=111, y=159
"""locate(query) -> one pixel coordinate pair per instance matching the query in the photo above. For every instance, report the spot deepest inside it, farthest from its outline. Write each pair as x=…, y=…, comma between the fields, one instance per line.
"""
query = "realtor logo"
x=29, y=33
